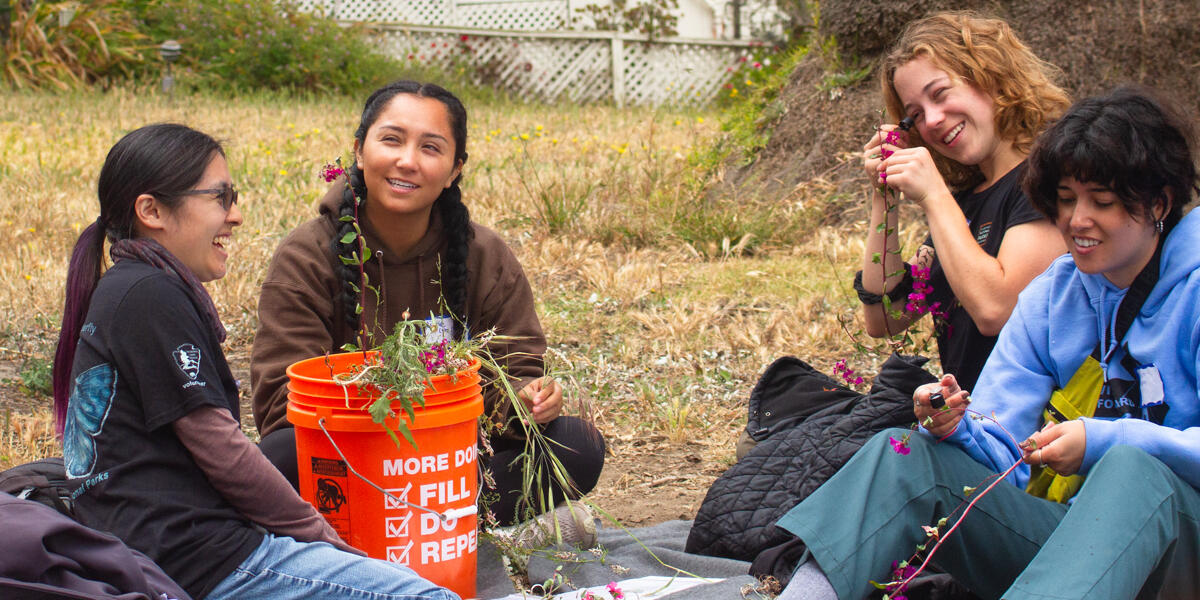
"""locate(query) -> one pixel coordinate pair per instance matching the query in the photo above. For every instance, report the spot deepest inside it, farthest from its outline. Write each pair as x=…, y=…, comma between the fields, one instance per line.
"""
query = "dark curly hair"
x=1130, y=140
x=456, y=219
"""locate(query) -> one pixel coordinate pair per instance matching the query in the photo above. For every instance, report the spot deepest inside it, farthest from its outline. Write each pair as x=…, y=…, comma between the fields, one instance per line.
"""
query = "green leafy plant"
x=68, y=45
x=248, y=44
x=36, y=376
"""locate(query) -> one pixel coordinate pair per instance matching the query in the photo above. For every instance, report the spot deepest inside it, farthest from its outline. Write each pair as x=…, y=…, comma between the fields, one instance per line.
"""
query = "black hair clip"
x=906, y=123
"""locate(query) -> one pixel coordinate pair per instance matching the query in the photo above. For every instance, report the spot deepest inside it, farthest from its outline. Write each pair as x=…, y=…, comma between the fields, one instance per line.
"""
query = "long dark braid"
x=348, y=273
x=456, y=219
x=456, y=222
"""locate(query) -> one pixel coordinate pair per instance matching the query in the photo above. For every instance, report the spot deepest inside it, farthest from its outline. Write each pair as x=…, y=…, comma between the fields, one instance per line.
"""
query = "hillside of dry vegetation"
x=1096, y=44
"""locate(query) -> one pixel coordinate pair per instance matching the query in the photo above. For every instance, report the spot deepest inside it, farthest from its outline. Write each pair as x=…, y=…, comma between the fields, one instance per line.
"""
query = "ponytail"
x=163, y=160
x=82, y=274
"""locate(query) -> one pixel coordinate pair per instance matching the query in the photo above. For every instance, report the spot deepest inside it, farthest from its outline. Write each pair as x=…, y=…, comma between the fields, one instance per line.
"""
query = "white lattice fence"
x=573, y=65
x=529, y=15
x=521, y=15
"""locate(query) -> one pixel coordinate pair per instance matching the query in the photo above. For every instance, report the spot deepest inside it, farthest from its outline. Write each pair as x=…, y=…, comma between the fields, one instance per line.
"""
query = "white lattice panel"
x=578, y=69
x=676, y=73
x=542, y=15
x=413, y=12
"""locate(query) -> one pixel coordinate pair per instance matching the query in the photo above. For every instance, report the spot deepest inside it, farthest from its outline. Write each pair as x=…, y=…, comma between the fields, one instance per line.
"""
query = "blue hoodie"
x=1057, y=323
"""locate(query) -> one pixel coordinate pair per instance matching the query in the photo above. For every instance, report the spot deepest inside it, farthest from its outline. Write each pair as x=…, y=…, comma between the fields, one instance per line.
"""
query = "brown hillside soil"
x=1096, y=44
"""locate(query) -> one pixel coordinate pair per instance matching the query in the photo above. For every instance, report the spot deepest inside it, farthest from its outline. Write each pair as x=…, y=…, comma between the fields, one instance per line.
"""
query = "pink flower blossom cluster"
x=435, y=358
x=893, y=138
x=613, y=590
x=900, y=573
x=330, y=172
x=921, y=291
x=846, y=373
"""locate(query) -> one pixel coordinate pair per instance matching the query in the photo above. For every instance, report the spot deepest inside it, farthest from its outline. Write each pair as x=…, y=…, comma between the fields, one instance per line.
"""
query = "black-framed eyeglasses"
x=227, y=194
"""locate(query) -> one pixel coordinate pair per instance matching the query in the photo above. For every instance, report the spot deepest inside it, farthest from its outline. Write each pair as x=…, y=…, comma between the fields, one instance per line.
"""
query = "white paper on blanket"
x=641, y=588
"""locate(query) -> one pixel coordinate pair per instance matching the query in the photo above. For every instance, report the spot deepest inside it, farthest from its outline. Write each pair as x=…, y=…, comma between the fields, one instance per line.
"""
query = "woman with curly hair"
x=972, y=98
x=1090, y=397
x=430, y=261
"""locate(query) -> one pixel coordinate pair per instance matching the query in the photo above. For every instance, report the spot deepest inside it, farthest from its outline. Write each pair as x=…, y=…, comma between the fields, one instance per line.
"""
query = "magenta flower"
x=900, y=446
x=616, y=592
x=846, y=373
x=331, y=172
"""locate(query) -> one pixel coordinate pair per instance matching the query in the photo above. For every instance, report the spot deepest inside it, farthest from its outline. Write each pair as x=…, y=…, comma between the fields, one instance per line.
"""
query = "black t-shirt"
x=145, y=359
x=990, y=213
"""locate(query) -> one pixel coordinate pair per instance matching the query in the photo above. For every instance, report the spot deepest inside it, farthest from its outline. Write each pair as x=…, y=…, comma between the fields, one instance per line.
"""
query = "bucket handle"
x=453, y=513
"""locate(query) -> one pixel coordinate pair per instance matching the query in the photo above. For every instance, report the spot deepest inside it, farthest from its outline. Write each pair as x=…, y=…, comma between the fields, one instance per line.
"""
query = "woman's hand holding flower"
x=941, y=422
x=1059, y=446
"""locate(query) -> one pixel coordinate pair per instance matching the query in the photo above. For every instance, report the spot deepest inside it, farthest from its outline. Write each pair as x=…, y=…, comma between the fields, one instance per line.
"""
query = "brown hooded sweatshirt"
x=299, y=316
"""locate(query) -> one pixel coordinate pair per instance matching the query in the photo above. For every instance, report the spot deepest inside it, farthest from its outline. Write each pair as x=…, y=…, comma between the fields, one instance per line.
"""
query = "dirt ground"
x=647, y=479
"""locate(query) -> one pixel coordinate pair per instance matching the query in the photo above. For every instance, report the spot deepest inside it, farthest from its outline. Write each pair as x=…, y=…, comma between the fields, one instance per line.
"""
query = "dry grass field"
x=659, y=309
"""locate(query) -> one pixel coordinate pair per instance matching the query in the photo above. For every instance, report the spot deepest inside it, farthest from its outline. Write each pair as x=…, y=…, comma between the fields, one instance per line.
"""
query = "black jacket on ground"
x=807, y=427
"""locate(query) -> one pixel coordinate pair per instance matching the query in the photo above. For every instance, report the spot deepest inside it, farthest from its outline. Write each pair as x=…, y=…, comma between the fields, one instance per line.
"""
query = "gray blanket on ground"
x=723, y=578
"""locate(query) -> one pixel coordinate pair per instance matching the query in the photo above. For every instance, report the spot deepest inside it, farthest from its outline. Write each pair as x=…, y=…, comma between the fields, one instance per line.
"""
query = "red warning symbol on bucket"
x=329, y=478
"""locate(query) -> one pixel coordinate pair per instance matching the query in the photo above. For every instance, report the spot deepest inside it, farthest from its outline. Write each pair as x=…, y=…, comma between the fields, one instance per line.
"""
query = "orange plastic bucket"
x=440, y=474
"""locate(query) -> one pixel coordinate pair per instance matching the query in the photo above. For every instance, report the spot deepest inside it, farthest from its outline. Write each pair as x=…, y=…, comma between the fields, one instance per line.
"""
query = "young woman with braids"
x=427, y=257
x=148, y=408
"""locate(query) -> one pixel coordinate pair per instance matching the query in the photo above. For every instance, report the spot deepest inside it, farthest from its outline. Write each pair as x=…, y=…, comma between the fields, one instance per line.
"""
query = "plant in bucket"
x=416, y=500
x=410, y=501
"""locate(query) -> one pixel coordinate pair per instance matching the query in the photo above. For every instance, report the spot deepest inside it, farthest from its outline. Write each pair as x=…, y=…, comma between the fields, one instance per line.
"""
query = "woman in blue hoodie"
x=1117, y=318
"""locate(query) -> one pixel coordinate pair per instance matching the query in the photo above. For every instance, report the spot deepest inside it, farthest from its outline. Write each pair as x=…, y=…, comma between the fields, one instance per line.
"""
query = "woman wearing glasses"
x=148, y=409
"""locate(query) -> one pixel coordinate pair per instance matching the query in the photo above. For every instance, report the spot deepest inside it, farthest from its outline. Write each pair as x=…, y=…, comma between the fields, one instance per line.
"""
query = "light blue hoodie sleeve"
x=1017, y=380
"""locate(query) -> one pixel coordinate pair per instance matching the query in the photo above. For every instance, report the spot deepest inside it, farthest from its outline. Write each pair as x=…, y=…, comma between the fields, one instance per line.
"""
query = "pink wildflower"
x=900, y=573
x=900, y=446
x=846, y=373
x=615, y=591
x=331, y=172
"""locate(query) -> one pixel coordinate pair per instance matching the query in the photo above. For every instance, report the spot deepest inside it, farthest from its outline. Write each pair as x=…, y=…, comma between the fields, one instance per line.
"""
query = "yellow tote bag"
x=1077, y=399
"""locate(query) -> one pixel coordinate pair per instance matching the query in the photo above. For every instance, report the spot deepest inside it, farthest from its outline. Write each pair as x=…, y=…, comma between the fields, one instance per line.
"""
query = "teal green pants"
x=1133, y=530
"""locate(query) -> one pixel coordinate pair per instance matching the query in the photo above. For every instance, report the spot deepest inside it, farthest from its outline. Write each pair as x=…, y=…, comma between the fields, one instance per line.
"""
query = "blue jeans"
x=1133, y=530
x=284, y=568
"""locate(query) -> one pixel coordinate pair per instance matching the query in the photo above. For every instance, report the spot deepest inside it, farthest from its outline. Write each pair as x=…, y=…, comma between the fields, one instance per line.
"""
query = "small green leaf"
x=358, y=309
x=348, y=347
x=880, y=228
x=968, y=490
x=878, y=586
x=876, y=258
x=348, y=237
x=347, y=261
x=942, y=522
x=927, y=422
x=346, y=219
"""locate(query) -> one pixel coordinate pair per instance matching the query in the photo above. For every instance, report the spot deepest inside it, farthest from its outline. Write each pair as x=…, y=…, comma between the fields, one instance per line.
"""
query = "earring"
x=1158, y=226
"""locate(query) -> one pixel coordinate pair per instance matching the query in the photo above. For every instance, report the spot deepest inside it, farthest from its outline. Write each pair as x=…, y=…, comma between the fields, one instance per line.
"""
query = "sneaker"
x=571, y=524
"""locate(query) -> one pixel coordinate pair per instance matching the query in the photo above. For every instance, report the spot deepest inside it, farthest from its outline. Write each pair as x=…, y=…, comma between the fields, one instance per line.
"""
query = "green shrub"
x=248, y=44
x=92, y=41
